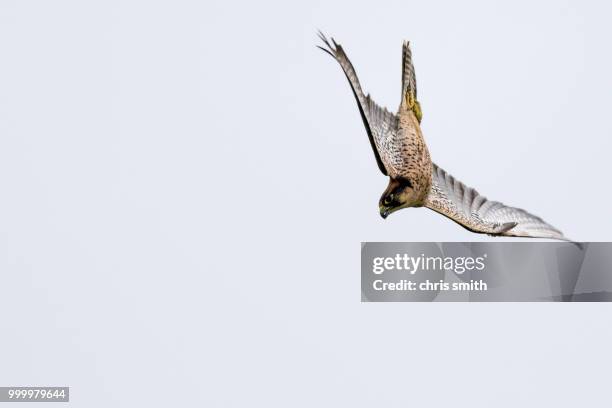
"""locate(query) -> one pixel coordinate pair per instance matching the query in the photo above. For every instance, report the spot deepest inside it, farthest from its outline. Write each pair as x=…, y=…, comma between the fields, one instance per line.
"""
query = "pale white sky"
x=185, y=186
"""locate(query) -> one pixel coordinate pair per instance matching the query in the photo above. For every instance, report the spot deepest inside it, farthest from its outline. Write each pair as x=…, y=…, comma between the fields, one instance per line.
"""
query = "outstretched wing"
x=380, y=124
x=464, y=205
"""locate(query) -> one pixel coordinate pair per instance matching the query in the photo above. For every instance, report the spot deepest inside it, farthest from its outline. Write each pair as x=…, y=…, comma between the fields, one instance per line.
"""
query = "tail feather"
x=409, y=87
x=408, y=74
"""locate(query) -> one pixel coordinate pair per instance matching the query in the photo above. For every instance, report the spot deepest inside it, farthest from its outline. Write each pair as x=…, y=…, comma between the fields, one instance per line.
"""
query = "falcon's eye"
x=388, y=199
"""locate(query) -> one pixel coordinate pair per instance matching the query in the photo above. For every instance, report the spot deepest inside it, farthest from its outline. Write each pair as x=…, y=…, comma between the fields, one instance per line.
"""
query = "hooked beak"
x=384, y=211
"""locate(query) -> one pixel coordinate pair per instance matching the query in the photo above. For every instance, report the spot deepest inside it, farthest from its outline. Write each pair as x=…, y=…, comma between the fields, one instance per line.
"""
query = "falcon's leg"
x=414, y=105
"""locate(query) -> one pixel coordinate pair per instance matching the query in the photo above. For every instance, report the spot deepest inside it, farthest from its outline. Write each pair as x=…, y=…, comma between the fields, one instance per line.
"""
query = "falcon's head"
x=398, y=194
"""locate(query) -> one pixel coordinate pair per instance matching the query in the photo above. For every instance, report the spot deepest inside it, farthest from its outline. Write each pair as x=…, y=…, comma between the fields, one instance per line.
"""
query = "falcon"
x=414, y=180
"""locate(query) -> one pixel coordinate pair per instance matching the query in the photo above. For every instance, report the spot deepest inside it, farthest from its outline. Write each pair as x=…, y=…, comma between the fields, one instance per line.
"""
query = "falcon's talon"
x=410, y=100
x=417, y=111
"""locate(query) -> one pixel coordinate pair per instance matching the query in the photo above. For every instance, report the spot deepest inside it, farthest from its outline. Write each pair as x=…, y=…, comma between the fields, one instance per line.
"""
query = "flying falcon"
x=416, y=181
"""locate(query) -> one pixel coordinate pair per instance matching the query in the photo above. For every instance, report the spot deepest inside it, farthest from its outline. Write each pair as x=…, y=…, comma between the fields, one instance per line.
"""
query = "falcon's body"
x=412, y=144
x=414, y=180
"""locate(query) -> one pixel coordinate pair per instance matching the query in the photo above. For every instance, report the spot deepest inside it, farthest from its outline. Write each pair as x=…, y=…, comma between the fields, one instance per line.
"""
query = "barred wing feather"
x=467, y=207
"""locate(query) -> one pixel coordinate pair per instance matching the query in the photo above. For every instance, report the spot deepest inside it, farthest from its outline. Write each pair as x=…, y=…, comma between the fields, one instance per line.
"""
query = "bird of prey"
x=416, y=181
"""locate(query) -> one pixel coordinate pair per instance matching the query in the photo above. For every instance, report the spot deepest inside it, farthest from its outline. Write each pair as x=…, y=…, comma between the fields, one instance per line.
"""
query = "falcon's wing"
x=380, y=124
x=464, y=205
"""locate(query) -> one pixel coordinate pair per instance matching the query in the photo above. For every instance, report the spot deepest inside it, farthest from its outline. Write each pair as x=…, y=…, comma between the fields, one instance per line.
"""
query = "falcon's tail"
x=409, y=88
